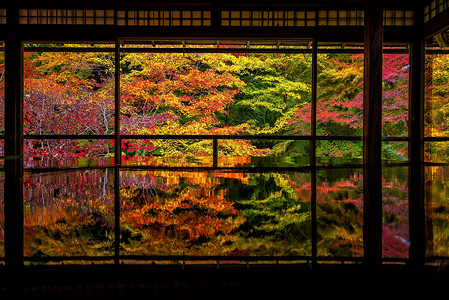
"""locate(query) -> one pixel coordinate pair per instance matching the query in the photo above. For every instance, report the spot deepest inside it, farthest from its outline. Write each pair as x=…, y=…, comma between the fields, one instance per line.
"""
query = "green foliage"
x=219, y=94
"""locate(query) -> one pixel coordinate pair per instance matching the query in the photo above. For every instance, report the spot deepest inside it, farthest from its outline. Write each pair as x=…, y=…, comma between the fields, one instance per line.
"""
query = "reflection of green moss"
x=277, y=223
x=438, y=212
x=339, y=212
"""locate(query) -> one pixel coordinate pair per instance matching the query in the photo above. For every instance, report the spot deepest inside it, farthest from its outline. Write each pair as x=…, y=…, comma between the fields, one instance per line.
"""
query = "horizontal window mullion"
x=397, y=139
x=212, y=136
x=436, y=139
x=338, y=138
x=396, y=165
x=435, y=164
x=201, y=50
x=53, y=170
x=68, y=49
x=190, y=258
x=219, y=137
x=67, y=137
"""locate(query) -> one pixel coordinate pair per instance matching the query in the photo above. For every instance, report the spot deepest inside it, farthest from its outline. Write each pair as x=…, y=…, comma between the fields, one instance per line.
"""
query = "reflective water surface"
x=340, y=212
x=221, y=212
x=2, y=215
x=69, y=214
x=437, y=211
x=395, y=212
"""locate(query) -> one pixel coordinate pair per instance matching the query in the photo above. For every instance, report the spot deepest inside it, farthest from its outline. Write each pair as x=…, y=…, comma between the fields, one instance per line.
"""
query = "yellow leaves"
x=69, y=67
x=222, y=63
x=149, y=64
x=254, y=102
x=129, y=193
x=248, y=63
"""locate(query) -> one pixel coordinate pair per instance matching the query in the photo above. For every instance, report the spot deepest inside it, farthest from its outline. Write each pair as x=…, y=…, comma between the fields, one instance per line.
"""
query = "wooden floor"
x=208, y=281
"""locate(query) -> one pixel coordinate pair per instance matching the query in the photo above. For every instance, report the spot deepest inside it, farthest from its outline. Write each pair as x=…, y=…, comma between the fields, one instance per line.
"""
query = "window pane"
x=64, y=153
x=339, y=92
x=436, y=120
x=263, y=153
x=215, y=93
x=437, y=211
x=393, y=151
x=395, y=87
x=2, y=89
x=69, y=214
x=395, y=180
x=215, y=213
x=395, y=238
x=68, y=92
x=339, y=152
x=436, y=152
x=2, y=215
x=163, y=152
x=340, y=212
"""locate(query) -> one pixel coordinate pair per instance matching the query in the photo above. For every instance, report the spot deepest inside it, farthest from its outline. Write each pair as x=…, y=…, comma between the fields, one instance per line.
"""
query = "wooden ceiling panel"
x=249, y=4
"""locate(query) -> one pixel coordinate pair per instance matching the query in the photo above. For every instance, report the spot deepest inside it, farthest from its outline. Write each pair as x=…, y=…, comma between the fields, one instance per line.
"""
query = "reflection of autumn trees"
x=2, y=217
x=396, y=240
x=2, y=129
x=437, y=210
x=340, y=212
x=277, y=214
x=69, y=214
x=204, y=213
x=215, y=213
x=180, y=214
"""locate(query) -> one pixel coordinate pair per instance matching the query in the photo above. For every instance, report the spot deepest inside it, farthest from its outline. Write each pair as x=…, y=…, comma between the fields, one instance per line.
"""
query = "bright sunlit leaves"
x=199, y=213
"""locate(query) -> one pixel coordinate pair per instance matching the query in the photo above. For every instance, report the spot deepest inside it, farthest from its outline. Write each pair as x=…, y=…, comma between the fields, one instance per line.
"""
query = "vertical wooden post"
x=13, y=145
x=416, y=150
x=372, y=130
x=13, y=191
x=215, y=152
x=313, y=151
x=117, y=153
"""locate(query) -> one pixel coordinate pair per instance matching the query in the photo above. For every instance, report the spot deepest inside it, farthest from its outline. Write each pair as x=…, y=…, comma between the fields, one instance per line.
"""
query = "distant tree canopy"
x=205, y=93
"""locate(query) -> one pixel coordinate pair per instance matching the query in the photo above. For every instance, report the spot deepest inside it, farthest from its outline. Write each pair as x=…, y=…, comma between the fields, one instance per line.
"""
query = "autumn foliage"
x=206, y=212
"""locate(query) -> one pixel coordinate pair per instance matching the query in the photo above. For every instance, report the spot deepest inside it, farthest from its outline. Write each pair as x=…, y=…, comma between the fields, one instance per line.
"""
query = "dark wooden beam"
x=13, y=149
x=416, y=152
x=436, y=25
x=372, y=128
x=236, y=4
x=109, y=33
x=13, y=191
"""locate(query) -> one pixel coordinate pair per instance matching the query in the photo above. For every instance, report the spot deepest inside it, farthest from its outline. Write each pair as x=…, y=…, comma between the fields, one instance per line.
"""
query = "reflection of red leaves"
x=395, y=240
x=192, y=213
